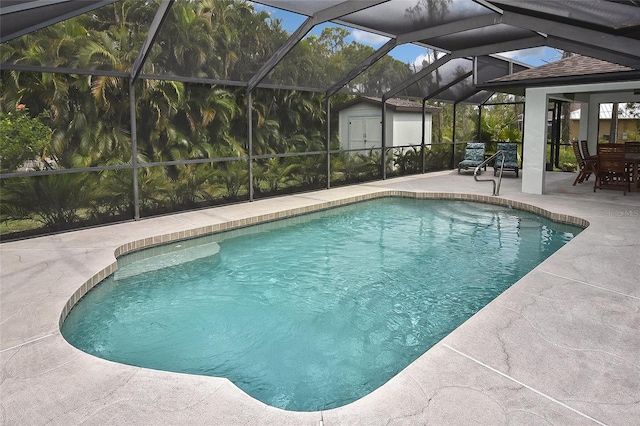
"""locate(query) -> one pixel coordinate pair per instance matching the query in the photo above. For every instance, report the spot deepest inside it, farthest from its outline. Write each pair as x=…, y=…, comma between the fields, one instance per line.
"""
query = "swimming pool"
x=315, y=311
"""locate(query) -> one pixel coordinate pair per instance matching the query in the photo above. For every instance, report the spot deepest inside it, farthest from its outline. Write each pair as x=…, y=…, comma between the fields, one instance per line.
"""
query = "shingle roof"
x=395, y=103
x=575, y=69
x=569, y=67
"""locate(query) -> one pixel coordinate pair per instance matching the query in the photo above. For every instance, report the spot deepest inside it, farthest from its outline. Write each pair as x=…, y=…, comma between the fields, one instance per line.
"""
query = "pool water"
x=316, y=311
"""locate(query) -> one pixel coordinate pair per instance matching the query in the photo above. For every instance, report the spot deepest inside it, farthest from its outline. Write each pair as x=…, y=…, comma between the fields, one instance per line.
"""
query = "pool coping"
x=559, y=346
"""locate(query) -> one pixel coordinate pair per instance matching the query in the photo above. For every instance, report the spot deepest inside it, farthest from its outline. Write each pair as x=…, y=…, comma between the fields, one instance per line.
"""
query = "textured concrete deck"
x=561, y=346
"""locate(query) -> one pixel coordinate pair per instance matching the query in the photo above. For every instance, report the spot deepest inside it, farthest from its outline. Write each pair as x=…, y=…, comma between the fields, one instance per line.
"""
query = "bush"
x=22, y=138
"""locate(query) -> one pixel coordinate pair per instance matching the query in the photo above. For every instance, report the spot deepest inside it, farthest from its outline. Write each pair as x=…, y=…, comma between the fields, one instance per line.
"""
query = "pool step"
x=162, y=257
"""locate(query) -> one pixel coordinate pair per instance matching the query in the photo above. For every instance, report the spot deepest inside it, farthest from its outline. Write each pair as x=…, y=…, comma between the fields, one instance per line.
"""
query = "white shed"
x=360, y=123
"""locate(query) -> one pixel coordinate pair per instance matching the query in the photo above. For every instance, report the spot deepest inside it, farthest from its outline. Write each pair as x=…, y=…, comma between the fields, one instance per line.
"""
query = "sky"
x=407, y=53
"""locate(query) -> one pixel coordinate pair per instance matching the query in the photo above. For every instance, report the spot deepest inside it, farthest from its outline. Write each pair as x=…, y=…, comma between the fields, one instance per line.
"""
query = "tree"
x=500, y=122
x=332, y=38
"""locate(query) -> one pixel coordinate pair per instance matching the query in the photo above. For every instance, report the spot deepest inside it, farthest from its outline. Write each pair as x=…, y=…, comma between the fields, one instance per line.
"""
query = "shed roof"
x=396, y=104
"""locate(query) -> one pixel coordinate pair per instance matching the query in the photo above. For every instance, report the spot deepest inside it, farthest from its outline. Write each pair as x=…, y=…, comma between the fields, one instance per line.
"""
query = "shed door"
x=365, y=132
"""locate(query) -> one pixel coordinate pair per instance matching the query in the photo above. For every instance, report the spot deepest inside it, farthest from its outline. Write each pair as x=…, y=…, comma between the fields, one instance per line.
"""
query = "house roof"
x=575, y=69
x=567, y=67
x=400, y=105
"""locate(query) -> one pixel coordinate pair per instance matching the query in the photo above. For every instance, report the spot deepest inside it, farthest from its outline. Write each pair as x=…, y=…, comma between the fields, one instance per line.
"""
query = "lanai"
x=580, y=79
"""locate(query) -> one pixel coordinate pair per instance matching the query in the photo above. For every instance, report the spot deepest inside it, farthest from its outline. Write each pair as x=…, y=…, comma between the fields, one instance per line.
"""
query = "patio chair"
x=473, y=156
x=611, y=170
x=510, y=158
x=586, y=166
x=584, y=150
x=633, y=147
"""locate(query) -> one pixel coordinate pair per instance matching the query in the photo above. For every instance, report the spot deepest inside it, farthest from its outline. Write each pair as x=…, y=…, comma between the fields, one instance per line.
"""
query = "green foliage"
x=22, y=138
x=311, y=170
x=274, y=174
x=407, y=161
x=500, y=123
x=154, y=190
x=566, y=159
x=233, y=176
x=113, y=195
x=362, y=167
x=192, y=185
x=55, y=201
x=634, y=109
x=438, y=158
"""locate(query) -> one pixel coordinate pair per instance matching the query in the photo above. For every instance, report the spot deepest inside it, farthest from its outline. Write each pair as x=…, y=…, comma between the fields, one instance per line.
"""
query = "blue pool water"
x=316, y=311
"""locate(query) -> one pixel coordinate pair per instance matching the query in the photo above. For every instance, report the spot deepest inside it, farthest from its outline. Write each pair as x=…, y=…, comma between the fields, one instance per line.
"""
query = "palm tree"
x=275, y=174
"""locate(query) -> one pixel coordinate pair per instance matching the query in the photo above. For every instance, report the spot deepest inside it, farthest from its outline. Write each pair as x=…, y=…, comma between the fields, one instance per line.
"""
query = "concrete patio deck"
x=561, y=346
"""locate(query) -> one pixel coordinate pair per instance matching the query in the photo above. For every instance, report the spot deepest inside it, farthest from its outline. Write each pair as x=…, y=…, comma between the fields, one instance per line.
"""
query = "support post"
x=453, y=136
x=424, y=135
x=535, y=141
x=557, y=132
x=134, y=148
x=250, y=140
x=384, y=139
x=480, y=123
x=328, y=118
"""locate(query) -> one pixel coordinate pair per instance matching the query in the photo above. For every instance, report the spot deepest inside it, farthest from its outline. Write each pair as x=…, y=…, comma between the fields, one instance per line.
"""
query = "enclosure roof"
x=467, y=35
x=19, y=17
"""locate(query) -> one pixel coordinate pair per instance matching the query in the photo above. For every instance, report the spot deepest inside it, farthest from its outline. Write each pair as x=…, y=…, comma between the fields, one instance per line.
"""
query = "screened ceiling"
x=462, y=39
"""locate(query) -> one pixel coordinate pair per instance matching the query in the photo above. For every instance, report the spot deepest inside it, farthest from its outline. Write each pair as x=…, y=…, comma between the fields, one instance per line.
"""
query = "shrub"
x=22, y=138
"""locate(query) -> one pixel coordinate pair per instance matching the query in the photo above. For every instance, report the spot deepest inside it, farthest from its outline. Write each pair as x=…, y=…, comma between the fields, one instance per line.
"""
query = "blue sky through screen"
x=407, y=53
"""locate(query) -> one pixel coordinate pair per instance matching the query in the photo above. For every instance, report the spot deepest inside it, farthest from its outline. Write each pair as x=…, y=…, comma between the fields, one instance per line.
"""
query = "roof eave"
x=510, y=86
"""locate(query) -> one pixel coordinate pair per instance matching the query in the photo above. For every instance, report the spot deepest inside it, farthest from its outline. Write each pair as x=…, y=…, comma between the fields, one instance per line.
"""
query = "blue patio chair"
x=510, y=158
x=473, y=156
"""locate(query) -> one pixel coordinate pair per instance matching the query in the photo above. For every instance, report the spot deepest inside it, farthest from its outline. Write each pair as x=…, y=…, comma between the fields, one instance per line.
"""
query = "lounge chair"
x=586, y=166
x=510, y=158
x=473, y=156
